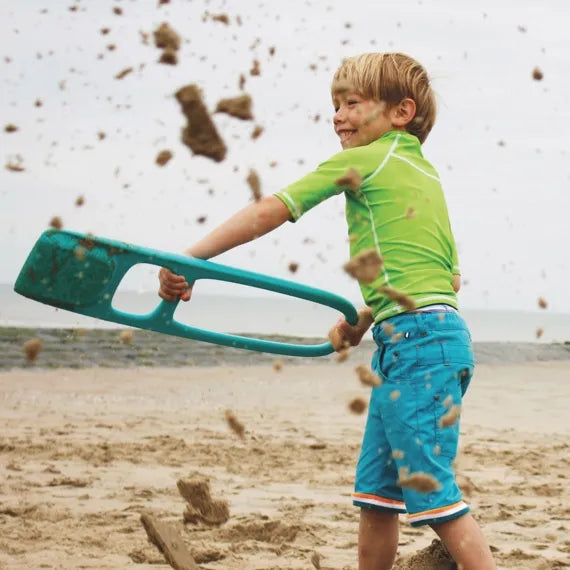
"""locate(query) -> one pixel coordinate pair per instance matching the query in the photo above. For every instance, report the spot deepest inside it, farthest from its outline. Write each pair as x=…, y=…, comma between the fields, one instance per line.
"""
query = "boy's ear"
x=403, y=113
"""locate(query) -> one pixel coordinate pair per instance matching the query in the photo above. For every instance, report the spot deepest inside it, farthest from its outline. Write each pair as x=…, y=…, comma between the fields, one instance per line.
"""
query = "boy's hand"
x=343, y=335
x=173, y=287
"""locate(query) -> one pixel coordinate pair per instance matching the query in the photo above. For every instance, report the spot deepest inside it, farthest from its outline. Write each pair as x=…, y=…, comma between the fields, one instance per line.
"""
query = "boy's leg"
x=376, y=491
x=466, y=544
x=427, y=372
x=377, y=539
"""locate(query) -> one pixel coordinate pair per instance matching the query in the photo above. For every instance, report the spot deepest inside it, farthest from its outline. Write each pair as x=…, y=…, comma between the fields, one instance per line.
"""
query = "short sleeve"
x=315, y=187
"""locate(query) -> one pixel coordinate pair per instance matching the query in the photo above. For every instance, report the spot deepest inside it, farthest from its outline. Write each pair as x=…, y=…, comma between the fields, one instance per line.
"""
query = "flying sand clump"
x=401, y=298
x=32, y=348
x=234, y=424
x=396, y=337
x=239, y=107
x=365, y=266
x=163, y=157
x=394, y=395
x=123, y=73
x=357, y=406
x=200, y=134
x=15, y=165
x=257, y=132
x=367, y=377
x=126, y=337
x=167, y=39
x=223, y=18
x=451, y=417
x=56, y=223
x=342, y=354
x=388, y=328
x=255, y=184
x=255, y=68
x=418, y=481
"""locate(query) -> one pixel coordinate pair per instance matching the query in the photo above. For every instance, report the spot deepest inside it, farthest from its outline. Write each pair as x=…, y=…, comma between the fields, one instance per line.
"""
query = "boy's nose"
x=338, y=117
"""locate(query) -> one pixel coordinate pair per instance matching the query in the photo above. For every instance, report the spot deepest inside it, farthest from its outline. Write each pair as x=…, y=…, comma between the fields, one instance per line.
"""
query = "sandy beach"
x=84, y=452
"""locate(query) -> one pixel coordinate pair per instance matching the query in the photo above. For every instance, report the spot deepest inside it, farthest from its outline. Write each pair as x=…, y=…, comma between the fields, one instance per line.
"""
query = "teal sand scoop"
x=81, y=273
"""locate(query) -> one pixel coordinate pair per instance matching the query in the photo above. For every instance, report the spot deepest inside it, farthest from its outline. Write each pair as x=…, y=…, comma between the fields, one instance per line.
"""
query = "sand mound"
x=433, y=557
x=201, y=507
x=274, y=532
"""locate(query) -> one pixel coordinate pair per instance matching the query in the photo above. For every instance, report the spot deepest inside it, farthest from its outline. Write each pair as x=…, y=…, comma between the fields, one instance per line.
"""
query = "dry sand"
x=84, y=452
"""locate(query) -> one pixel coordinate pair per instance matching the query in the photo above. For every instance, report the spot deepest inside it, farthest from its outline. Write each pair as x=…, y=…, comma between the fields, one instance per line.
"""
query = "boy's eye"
x=352, y=101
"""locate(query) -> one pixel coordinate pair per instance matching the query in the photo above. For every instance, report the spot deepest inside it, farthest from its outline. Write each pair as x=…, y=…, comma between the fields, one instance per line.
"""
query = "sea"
x=76, y=341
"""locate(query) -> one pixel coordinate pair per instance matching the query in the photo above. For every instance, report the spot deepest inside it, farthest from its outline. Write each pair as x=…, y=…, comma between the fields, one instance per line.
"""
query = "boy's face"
x=359, y=121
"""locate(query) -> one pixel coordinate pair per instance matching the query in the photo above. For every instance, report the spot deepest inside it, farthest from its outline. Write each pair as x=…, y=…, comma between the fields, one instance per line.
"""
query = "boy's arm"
x=251, y=222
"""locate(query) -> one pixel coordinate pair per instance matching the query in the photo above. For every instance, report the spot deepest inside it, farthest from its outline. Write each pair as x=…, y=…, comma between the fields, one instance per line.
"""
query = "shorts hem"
x=440, y=519
x=368, y=501
x=372, y=507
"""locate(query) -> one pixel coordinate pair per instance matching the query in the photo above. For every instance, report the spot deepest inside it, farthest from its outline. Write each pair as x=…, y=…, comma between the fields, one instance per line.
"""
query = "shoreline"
x=106, y=348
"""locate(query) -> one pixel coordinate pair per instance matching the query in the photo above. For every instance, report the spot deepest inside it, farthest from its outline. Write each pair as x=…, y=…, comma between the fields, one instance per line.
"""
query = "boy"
x=384, y=110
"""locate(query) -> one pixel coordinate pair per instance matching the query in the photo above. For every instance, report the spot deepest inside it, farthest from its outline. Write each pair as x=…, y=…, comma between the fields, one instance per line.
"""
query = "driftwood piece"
x=169, y=542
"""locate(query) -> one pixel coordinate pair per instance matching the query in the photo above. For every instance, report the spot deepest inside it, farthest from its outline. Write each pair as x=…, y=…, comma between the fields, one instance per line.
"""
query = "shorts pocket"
x=378, y=361
x=447, y=410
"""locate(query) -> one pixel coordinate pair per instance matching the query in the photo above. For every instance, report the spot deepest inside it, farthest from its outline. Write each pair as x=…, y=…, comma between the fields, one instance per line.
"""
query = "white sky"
x=509, y=203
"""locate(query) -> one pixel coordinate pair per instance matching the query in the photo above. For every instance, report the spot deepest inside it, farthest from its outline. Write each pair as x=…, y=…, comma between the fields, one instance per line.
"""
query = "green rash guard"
x=399, y=210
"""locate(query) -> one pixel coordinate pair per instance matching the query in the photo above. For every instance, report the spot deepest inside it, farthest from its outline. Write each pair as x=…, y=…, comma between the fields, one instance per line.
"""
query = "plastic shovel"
x=81, y=273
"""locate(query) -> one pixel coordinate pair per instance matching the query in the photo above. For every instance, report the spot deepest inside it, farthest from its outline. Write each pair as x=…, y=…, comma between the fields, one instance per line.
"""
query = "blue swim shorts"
x=426, y=362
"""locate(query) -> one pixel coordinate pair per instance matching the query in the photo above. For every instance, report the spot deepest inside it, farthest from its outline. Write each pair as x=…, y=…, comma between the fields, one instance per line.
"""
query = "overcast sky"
x=500, y=143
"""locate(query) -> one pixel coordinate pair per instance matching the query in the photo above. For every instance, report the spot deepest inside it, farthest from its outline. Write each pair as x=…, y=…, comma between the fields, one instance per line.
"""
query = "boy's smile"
x=359, y=121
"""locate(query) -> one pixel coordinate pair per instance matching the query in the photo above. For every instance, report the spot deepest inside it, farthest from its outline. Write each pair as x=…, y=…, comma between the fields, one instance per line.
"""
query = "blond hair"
x=391, y=77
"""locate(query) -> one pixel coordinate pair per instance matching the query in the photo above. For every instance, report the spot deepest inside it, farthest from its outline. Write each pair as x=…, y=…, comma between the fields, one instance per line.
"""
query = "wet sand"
x=84, y=452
